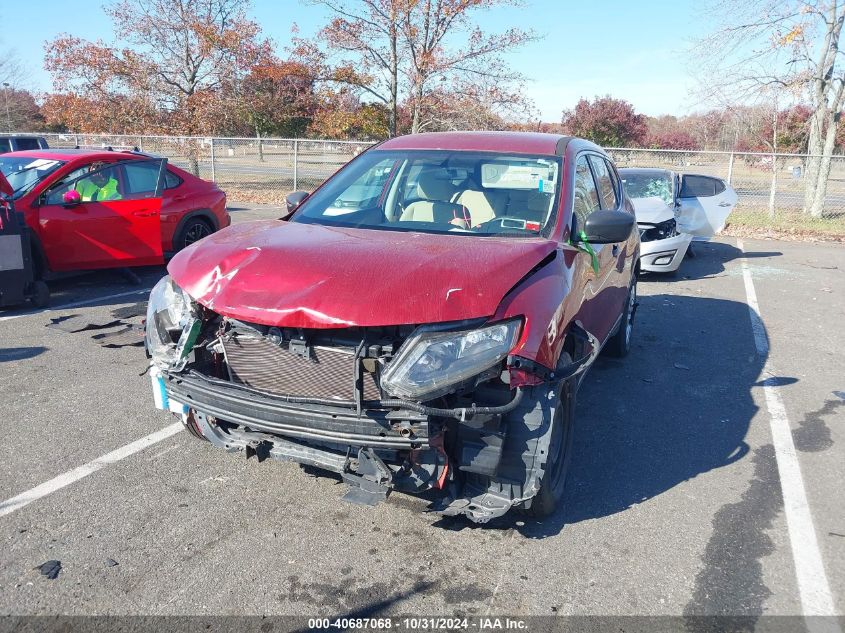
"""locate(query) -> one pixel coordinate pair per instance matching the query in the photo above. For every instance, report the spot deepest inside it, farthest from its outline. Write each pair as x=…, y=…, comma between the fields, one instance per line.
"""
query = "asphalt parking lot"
x=680, y=499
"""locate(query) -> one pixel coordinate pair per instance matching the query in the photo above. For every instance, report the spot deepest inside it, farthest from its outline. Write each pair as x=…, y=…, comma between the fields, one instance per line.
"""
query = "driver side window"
x=96, y=185
x=586, y=192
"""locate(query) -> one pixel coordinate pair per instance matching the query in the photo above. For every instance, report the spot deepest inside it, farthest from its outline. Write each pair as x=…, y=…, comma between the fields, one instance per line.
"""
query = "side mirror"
x=608, y=227
x=71, y=198
x=294, y=199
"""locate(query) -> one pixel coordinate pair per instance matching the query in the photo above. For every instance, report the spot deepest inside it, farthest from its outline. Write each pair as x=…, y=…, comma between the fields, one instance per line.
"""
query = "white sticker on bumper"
x=160, y=397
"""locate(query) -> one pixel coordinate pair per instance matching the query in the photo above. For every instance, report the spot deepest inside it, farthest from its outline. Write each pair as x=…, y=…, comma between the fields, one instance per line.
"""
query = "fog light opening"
x=664, y=259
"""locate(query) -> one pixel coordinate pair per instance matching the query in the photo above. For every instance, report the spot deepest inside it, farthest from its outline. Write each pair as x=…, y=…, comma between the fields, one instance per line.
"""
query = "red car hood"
x=313, y=276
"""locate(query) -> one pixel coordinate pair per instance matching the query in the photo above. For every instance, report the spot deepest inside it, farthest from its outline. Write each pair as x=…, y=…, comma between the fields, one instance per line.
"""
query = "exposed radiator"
x=329, y=373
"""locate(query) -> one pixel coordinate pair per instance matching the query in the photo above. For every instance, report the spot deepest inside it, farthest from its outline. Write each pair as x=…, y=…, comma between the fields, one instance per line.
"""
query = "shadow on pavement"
x=9, y=354
x=709, y=261
x=644, y=424
x=678, y=406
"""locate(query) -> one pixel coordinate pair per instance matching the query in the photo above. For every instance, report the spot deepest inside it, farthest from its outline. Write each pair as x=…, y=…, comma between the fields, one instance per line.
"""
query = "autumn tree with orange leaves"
x=277, y=97
x=170, y=66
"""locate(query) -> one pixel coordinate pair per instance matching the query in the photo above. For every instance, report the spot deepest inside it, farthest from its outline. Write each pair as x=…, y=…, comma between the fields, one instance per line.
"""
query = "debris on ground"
x=51, y=569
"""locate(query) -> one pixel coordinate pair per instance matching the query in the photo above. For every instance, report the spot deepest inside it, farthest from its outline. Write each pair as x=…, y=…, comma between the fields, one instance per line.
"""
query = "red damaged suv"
x=92, y=209
x=421, y=321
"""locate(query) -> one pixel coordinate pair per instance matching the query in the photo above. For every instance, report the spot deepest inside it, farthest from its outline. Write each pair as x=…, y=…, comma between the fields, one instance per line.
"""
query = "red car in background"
x=153, y=210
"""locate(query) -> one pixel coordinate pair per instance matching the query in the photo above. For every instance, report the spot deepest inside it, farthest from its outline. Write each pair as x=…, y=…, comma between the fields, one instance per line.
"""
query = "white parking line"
x=76, y=304
x=71, y=476
x=816, y=599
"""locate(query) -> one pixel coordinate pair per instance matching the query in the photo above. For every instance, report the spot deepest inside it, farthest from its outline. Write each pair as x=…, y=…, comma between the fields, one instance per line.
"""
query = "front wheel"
x=549, y=497
x=40, y=294
x=620, y=343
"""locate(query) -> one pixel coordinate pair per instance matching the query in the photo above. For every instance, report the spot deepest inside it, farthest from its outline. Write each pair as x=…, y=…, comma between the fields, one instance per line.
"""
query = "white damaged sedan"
x=673, y=209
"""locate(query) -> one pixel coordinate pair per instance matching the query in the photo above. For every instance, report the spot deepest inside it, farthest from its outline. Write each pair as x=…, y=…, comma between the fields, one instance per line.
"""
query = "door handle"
x=179, y=198
x=724, y=204
x=143, y=213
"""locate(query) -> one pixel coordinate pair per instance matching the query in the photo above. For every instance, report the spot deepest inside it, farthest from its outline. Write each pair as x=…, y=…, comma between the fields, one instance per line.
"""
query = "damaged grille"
x=329, y=373
x=659, y=231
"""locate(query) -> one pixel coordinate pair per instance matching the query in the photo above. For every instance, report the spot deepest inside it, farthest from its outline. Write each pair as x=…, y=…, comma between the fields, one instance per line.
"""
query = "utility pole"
x=8, y=118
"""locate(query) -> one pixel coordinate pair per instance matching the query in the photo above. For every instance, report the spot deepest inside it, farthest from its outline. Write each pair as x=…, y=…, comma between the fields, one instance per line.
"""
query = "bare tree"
x=17, y=106
x=10, y=69
x=785, y=47
x=427, y=24
x=367, y=31
x=403, y=53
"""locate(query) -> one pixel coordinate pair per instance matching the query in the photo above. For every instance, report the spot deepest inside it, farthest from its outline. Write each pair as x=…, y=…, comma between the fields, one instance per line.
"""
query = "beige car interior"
x=442, y=202
x=436, y=193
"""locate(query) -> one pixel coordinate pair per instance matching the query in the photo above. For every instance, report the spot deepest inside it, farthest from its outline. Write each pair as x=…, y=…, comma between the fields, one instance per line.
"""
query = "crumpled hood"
x=652, y=210
x=312, y=276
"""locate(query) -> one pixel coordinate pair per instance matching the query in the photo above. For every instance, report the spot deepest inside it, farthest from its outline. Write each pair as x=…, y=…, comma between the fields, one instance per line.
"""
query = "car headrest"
x=435, y=185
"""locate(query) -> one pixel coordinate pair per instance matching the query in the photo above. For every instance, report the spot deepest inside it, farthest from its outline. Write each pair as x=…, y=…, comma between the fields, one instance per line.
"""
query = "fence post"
x=731, y=169
x=76, y=140
x=774, y=186
x=295, y=163
x=213, y=169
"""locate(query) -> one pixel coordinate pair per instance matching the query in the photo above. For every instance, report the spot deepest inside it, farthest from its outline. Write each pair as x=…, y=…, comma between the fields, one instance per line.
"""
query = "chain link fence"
x=247, y=169
x=771, y=187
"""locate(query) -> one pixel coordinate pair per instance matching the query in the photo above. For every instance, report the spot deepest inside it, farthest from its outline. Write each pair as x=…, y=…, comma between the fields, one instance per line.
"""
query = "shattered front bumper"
x=265, y=413
x=664, y=256
x=500, y=459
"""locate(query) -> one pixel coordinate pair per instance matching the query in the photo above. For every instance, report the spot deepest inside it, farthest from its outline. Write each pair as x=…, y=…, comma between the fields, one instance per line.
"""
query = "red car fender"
x=548, y=305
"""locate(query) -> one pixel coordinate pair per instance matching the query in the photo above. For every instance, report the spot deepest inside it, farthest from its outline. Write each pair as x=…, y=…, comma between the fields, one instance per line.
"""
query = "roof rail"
x=109, y=148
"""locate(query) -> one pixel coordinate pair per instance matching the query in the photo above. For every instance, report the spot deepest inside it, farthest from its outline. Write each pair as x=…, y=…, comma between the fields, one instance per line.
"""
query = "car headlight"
x=431, y=361
x=172, y=325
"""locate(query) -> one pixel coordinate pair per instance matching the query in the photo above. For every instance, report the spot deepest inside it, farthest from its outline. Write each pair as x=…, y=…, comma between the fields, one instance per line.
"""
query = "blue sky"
x=635, y=50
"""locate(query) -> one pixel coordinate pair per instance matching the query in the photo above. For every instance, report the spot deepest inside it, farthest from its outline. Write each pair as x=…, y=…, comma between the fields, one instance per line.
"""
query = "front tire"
x=40, y=294
x=549, y=497
x=620, y=343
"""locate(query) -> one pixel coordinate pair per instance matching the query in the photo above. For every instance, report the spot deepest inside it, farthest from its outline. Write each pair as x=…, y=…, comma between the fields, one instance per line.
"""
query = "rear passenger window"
x=586, y=192
x=141, y=178
x=171, y=180
x=700, y=186
x=607, y=190
x=5, y=145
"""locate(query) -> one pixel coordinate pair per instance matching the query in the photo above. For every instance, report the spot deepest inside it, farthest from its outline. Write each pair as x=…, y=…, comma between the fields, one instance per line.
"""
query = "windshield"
x=23, y=173
x=647, y=185
x=468, y=193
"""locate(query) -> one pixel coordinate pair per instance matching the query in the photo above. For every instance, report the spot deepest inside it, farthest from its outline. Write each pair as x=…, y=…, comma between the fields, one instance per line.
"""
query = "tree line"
x=771, y=73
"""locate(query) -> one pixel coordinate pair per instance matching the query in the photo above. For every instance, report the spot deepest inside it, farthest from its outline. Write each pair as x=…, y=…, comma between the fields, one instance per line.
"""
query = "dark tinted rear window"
x=24, y=144
x=171, y=180
x=701, y=186
x=5, y=145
